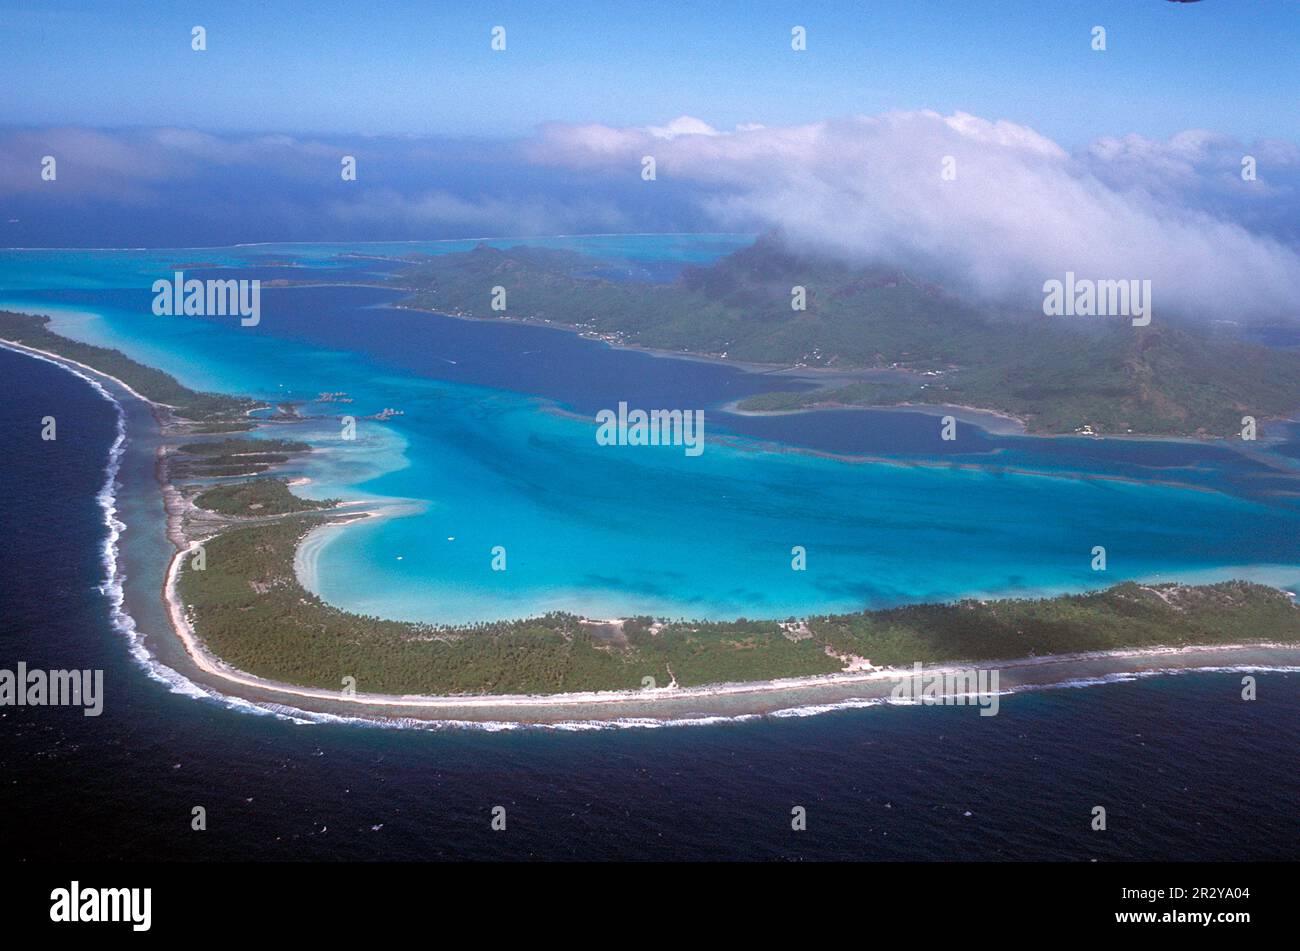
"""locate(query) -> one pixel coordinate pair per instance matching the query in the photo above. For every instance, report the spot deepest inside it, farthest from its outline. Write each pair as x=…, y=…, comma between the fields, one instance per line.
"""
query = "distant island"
x=1059, y=375
x=248, y=610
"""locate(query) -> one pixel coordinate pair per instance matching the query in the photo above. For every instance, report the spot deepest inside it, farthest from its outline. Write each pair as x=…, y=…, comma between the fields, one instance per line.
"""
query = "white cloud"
x=1021, y=209
x=682, y=125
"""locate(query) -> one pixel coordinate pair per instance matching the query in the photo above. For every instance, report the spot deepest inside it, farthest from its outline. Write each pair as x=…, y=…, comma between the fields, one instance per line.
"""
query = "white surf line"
x=59, y=358
x=113, y=586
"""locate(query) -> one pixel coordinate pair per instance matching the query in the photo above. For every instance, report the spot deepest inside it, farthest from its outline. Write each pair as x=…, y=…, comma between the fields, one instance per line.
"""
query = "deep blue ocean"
x=1185, y=769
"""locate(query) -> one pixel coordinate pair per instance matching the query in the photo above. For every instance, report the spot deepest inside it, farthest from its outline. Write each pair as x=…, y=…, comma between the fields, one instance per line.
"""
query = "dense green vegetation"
x=232, y=457
x=1156, y=379
x=153, y=384
x=250, y=610
x=257, y=497
x=1059, y=374
x=854, y=394
x=1125, y=616
x=204, y=429
x=243, y=447
x=740, y=306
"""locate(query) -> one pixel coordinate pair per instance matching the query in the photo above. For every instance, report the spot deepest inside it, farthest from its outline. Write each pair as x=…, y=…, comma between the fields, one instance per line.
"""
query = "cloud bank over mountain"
x=1014, y=210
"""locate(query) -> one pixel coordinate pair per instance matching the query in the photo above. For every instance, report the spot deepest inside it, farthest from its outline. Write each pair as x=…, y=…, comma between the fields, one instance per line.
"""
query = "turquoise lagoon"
x=496, y=447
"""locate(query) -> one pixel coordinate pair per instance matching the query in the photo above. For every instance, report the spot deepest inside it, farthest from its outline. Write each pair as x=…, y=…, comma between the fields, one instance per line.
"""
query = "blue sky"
x=426, y=67
x=1122, y=162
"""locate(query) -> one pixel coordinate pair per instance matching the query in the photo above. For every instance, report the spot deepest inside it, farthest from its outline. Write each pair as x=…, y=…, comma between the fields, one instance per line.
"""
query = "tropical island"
x=1059, y=375
x=247, y=613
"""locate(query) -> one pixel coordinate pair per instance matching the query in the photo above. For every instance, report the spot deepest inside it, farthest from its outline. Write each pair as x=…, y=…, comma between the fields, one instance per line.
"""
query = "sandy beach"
x=999, y=424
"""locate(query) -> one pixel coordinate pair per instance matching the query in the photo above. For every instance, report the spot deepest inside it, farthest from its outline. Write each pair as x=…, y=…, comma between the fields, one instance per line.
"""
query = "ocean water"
x=497, y=447
x=1185, y=768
